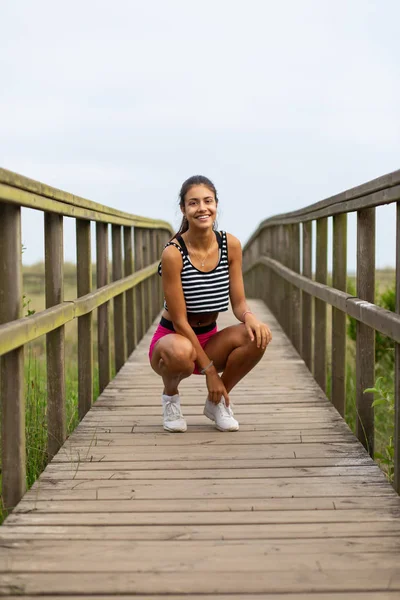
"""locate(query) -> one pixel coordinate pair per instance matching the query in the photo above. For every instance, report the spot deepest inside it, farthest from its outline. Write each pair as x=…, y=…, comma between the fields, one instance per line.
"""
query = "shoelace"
x=173, y=411
x=224, y=410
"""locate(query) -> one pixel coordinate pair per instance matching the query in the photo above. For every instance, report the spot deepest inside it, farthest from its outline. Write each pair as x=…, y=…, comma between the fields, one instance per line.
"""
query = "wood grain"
x=291, y=506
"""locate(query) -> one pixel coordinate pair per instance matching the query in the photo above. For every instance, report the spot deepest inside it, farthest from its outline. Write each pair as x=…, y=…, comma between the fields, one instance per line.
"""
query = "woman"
x=201, y=270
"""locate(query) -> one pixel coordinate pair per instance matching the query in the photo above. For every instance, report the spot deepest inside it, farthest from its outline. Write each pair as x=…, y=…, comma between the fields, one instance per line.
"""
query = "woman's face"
x=200, y=207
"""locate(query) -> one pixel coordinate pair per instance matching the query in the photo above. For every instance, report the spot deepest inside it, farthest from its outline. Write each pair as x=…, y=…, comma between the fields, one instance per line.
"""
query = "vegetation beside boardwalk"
x=35, y=372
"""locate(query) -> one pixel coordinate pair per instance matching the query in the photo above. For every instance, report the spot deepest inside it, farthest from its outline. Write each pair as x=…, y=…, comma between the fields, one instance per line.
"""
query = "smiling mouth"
x=203, y=217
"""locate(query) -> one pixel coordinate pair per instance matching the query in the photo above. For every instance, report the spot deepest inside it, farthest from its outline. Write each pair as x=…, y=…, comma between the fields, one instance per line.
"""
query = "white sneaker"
x=221, y=414
x=172, y=415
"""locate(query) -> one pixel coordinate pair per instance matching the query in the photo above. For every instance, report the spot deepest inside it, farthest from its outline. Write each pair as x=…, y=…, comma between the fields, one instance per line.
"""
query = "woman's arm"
x=238, y=299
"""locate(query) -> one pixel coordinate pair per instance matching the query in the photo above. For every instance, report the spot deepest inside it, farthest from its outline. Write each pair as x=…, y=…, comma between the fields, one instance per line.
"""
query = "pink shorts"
x=203, y=338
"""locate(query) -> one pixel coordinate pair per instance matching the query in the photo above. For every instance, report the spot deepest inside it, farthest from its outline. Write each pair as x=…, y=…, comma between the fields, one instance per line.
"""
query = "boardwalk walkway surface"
x=288, y=507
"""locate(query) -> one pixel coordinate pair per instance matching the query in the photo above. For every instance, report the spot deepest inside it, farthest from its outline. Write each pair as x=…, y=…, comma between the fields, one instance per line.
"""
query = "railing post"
x=274, y=277
x=85, y=328
x=339, y=275
x=280, y=281
x=129, y=305
x=268, y=273
x=119, y=309
x=161, y=241
x=103, y=319
x=306, y=299
x=147, y=283
x=155, y=306
x=139, y=289
x=12, y=363
x=54, y=273
x=397, y=364
x=320, y=306
x=365, y=343
x=296, y=297
x=287, y=287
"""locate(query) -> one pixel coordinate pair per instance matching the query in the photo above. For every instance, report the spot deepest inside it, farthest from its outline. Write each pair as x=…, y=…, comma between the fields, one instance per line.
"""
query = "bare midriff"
x=196, y=319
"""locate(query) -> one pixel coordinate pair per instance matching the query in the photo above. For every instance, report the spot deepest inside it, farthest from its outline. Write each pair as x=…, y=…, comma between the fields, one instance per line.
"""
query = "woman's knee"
x=179, y=355
x=251, y=345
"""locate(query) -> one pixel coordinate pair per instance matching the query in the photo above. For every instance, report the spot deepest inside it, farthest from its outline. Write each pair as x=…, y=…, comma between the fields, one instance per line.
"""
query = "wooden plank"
x=321, y=274
x=337, y=520
x=103, y=317
x=388, y=506
x=365, y=342
x=339, y=281
x=354, y=595
x=199, y=532
x=85, y=324
x=319, y=578
x=54, y=277
x=11, y=364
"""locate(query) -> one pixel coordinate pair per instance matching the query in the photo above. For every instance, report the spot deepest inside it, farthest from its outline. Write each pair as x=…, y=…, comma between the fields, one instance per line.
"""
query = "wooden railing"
x=135, y=289
x=277, y=264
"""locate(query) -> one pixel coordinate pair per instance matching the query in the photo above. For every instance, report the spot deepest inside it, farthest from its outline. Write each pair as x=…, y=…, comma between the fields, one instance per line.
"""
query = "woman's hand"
x=257, y=330
x=216, y=388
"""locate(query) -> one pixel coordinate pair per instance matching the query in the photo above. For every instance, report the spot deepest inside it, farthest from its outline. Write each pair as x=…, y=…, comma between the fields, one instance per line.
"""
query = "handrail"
x=272, y=271
x=22, y=331
x=371, y=194
x=135, y=290
x=36, y=194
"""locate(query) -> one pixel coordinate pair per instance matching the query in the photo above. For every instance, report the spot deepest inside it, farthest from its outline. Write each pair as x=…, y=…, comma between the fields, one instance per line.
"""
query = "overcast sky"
x=281, y=103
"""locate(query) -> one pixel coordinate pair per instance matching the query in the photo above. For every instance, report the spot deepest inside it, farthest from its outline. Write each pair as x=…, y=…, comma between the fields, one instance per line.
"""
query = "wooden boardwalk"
x=291, y=506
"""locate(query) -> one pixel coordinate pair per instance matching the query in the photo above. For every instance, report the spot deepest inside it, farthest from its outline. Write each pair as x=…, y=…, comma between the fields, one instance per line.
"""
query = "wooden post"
x=103, y=318
x=128, y=264
x=397, y=364
x=147, y=282
x=365, y=343
x=268, y=277
x=287, y=287
x=320, y=306
x=85, y=328
x=54, y=274
x=155, y=306
x=339, y=275
x=12, y=363
x=296, y=297
x=139, y=289
x=119, y=309
x=161, y=241
x=306, y=300
x=280, y=282
x=274, y=278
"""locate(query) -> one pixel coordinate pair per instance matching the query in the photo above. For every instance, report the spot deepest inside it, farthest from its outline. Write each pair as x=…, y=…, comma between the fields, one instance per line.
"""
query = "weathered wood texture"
x=54, y=272
x=11, y=364
x=289, y=506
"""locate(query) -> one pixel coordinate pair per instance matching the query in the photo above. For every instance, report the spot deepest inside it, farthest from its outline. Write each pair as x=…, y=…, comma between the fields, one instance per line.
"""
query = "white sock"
x=166, y=398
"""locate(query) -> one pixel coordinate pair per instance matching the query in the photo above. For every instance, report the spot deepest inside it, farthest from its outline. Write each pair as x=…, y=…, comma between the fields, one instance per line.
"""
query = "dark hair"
x=189, y=183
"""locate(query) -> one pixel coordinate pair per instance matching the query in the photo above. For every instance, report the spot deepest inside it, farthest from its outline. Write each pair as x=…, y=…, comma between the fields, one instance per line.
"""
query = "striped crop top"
x=204, y=291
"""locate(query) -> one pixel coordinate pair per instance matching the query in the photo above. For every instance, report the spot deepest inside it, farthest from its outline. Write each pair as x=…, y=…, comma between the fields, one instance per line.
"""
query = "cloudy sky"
x=281, y=103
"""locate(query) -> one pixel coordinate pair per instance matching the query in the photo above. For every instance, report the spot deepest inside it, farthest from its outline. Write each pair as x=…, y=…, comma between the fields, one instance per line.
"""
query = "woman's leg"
x=173, y=359
x=233, y=353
